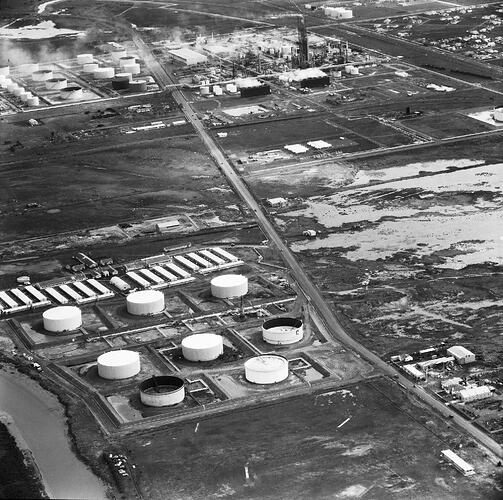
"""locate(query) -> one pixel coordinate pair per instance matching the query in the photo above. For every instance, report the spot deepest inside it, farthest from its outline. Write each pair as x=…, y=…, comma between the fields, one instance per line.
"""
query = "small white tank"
x=33, y=101
x=134, y=69
x=62, y=319
x=84, y=58
x=118, y=365
x=217, y=90
x=145, y=302
x=129, y=76
x=42, y=75
x=266, y=369
x=229, y=285
x=71, y=93
x=162, y=391
x=231, y=88
x=126, y=60
x=104, y=73
x=56, y=83
x=90, y=67
x=202, y=347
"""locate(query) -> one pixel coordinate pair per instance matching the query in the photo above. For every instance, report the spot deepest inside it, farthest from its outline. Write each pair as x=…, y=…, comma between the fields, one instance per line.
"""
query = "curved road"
x=310, y=291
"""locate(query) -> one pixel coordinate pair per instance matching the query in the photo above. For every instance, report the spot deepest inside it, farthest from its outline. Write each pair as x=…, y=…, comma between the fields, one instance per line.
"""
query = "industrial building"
x=162, y=391
x=464, y=467
x=118, y=365
x=475, y=393
x=282, y=331
x=461, y=354
x=62, y=319
x=202, y=347
x=187, y=56
x=266, y=369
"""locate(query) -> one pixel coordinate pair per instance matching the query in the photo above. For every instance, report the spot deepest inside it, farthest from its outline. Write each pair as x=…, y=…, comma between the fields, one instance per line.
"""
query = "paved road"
x=310, y=291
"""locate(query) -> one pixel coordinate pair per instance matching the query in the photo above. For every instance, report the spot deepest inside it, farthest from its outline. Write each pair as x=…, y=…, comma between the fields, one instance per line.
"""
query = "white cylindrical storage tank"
x=134, y=69
x=42, y=75
x=162, y=391
x=229, y=285
x=348, y=68
x=217, y=90
x=118, y=53
x=28, y=68
x=85, y=58
x=145, y=302
x=33, y=101
x=4, y=70
x=56, y=83
x=282, y=331
x=62, y=319
x=337, y=74
x=71, y=93
x=355, y=71
x=126, y=61
x=205, y=90
x=266, y=369
x=105, y=72
x=202, y=347
x=90, y=67
x=231, y=87
x=117, y=365
x=129, y=76
x=498, y=115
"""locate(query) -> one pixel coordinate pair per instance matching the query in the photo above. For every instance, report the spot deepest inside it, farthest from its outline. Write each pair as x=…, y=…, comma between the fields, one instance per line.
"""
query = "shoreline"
x=29, y=460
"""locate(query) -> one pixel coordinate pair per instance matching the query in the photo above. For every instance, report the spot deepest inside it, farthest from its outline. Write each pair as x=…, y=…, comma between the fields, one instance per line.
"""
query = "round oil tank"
x=498, y=115
x=162, y=391
x=28, y=68
x=217, y=90
x=348, y=68
x=138, y=86
x=231, y=87
x=90, y=67
x=129, y=76
x=145, y=302
x=33, y=101
x=229, y=285
x=56, y=83
x=134, y=69
x=126, y=61
x=105, y=72
x=204, y=90
x=117, y=365
x=42, y=75
x=71, y=93
x=120, y=83
x=202, y=347
x=117, y=53
x=84, y=58
x=266, y=369
x=282, y=331
x=62, y=319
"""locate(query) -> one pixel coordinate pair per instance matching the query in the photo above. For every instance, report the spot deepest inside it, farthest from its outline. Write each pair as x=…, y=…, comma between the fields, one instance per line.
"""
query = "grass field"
x=298, y=449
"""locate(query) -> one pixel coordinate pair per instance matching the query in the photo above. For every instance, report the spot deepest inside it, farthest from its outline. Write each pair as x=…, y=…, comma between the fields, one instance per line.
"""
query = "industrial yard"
x=253, y=249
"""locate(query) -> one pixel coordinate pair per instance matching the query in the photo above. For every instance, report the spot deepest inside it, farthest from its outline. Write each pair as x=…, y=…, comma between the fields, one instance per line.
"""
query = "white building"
x=474, y=393
x=187, y=56
x=464, y=467
x=462, y=354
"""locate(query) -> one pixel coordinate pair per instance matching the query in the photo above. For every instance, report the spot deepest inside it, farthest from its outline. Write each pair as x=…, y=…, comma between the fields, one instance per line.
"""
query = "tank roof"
x=118, y=358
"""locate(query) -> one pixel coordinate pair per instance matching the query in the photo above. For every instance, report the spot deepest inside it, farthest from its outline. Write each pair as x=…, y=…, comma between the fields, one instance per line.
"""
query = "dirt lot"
x=296, y=449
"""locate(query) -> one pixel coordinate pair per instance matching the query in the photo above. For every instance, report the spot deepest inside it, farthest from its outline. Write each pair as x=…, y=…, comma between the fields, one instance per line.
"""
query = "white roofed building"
x=461, y=354
x=187, y=56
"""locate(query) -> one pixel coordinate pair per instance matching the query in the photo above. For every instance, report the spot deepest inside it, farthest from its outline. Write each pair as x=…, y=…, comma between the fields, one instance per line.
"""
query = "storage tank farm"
x=202, y=347
x=282, y=331
x=118, y=365
x=145, y=302
x=62, y=319
x=165, y=390
x=266, y=369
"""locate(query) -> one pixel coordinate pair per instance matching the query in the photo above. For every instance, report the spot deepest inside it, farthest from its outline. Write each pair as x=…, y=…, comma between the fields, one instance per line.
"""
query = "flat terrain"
x=298, y=447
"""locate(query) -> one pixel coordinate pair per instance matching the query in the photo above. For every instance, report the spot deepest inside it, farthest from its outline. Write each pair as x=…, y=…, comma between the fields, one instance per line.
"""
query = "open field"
x=310, y=455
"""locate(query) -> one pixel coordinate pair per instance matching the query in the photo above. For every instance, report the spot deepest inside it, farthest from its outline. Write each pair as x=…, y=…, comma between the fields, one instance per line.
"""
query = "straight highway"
x=309, y=290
